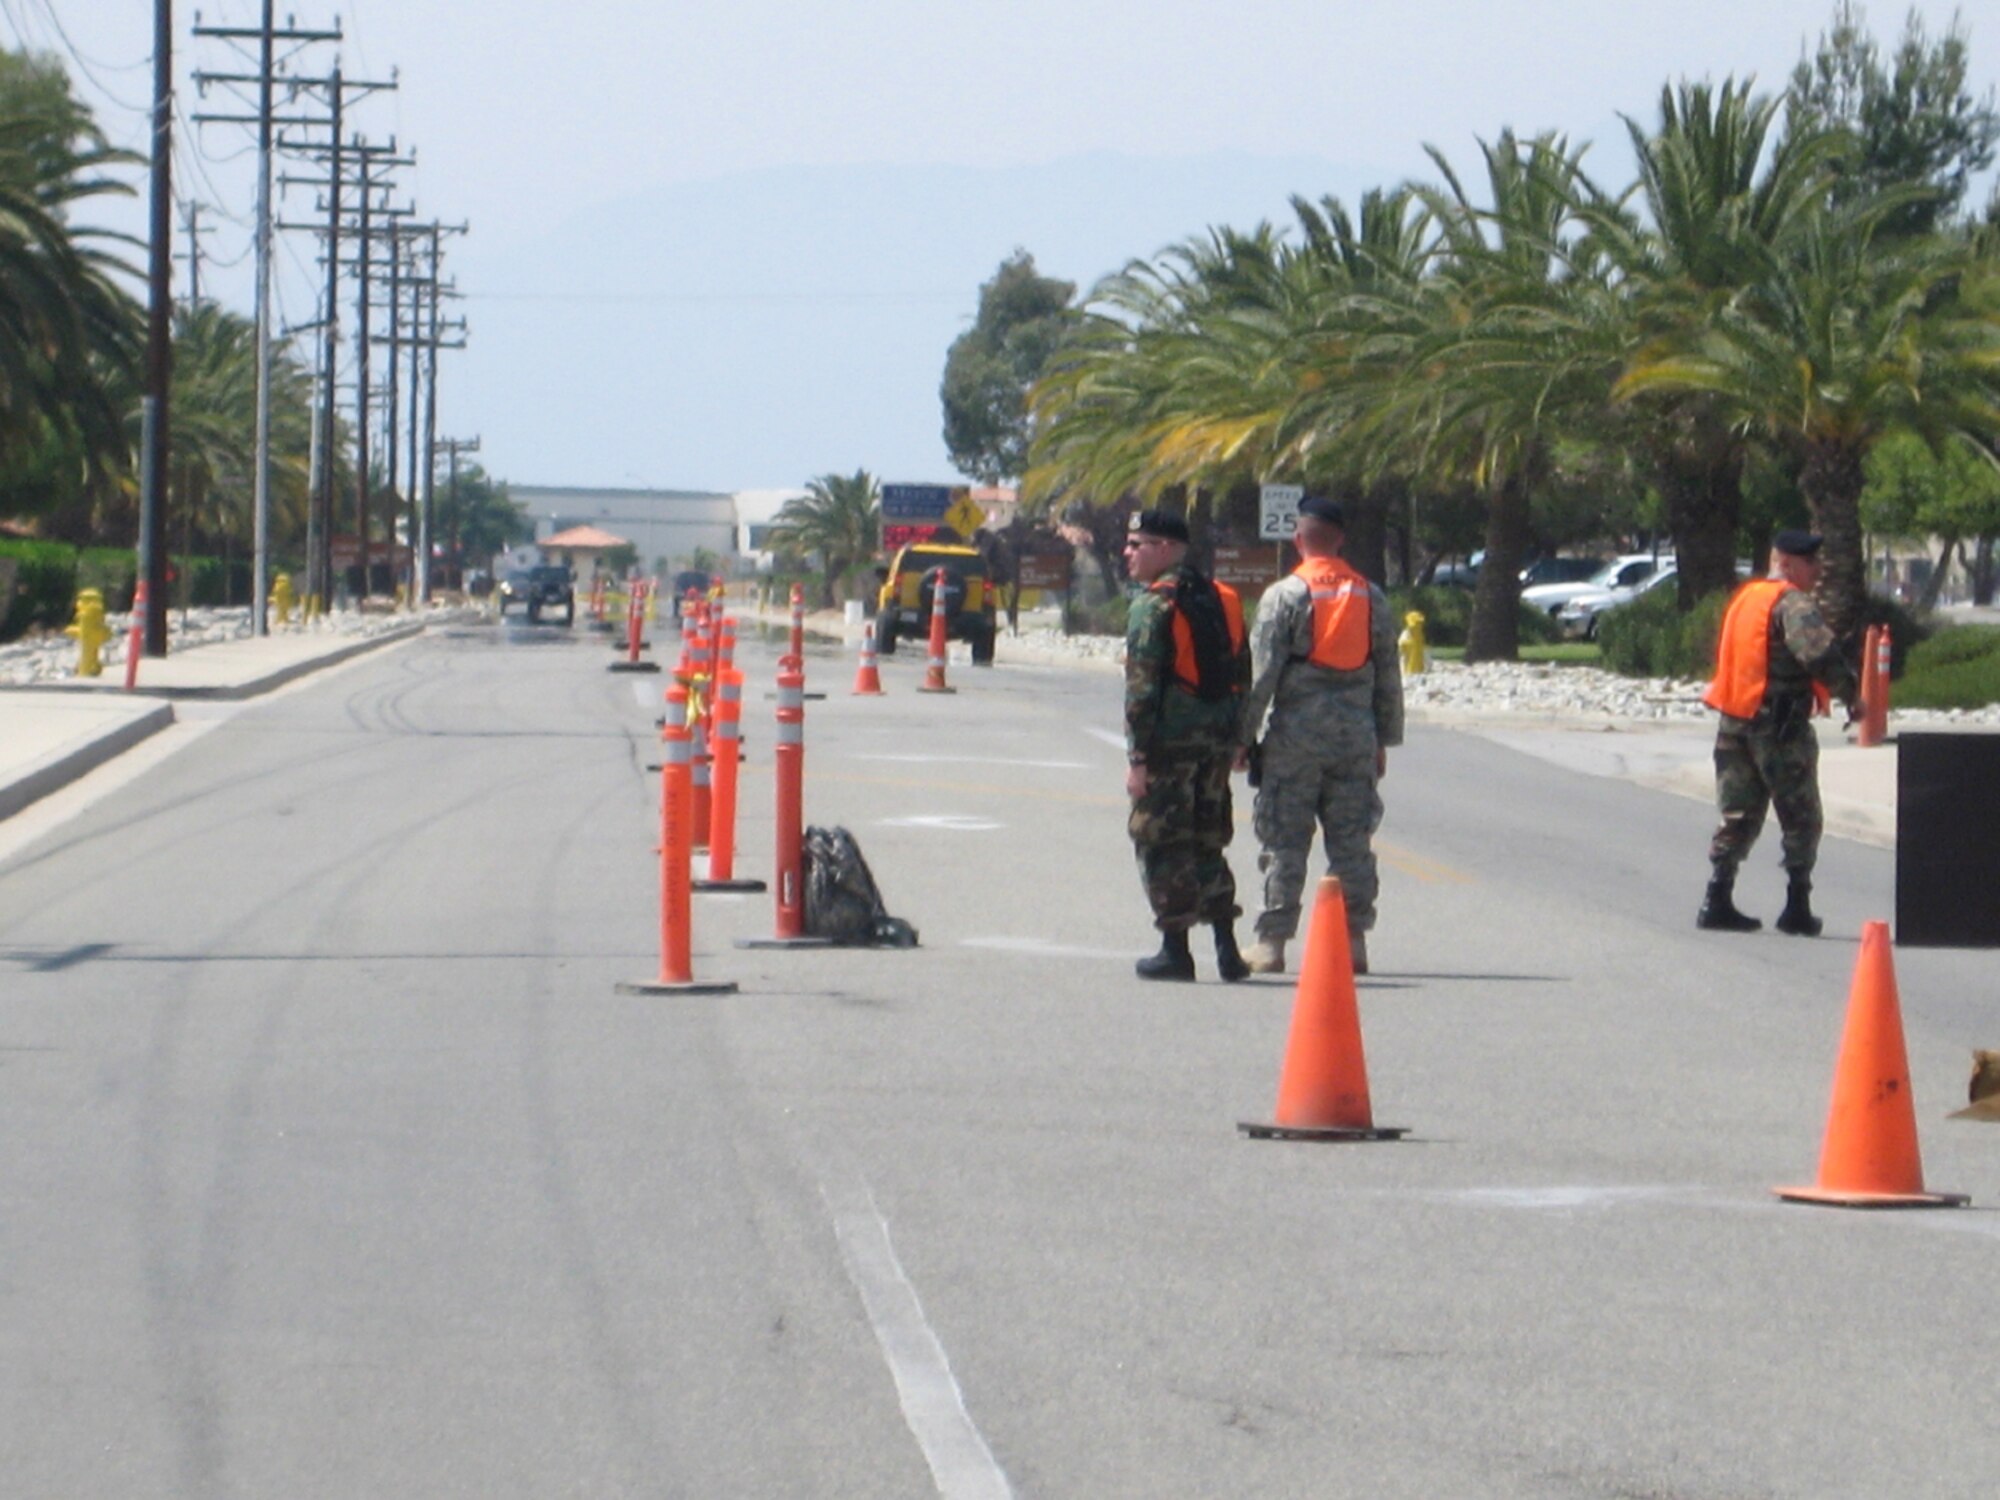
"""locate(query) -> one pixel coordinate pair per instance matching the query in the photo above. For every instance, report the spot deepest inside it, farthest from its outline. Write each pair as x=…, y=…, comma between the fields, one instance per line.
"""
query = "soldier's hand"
x=1242, y=760
x=1135, y=782
x=1381, y=761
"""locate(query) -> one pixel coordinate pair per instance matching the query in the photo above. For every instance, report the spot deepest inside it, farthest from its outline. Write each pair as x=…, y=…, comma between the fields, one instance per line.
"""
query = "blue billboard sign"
x=915, y=502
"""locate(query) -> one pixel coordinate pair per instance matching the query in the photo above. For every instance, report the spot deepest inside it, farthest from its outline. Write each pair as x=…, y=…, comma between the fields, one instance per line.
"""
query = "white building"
x=666, y=526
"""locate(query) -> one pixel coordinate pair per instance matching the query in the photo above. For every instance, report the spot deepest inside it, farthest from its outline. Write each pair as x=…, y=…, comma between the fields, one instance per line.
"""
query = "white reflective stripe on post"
x=791, y=697
x=791, y=732
x=728, y=729
x=676, y=752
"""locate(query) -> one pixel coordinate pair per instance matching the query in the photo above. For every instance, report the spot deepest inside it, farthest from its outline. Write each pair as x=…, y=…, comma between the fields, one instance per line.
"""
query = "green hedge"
x=1959, y=667
x=50, y=574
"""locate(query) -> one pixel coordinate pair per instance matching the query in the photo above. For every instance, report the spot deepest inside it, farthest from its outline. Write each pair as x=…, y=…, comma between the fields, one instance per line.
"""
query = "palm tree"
x=1516, y=349
x=1852, y=336
x=67, y=329
x=1719, y=214
x=840, y=518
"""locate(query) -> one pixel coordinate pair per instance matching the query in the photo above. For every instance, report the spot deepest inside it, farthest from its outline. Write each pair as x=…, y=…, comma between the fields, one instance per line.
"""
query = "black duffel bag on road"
x=843, y=904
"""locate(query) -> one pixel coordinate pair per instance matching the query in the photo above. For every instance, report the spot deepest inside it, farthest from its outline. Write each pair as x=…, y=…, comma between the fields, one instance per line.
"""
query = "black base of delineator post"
x=635, y=666
x=1320, y=1133
x=729, y=885
x=685, y=987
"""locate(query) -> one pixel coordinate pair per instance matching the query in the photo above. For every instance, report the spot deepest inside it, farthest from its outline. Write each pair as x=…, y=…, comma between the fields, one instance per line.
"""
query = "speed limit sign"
x=1279, y=504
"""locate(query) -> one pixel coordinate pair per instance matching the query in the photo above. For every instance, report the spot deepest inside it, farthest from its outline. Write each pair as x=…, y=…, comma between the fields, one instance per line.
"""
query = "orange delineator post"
x=1875, y=689
x=1864, y=731
x=788, y=754
x=597, y=597
x=1323, y=1084
x=797, y=655
x=722, y=812
x=676, y=962
x=635, y=615
x=934, y=668
x=135, y=639
x=1869, y=1157
x=868, y=676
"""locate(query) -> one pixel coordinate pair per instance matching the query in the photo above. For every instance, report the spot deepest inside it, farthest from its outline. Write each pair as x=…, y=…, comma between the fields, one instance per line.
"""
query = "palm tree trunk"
x=1934, y=585
x=1832, y=479
x=1495, y=631
x=1703, y=508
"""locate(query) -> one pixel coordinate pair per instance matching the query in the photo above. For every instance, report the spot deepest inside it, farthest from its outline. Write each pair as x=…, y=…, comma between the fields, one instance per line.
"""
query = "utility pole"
x=267, y=35
x=369, y=158
x=336, y=88
x=159, y=340
x=423, y=340
x=453, y=447
x=191, y=213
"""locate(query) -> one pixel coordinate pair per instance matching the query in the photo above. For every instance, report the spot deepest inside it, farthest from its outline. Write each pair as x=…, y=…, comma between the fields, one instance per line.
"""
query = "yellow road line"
x=1427, y=870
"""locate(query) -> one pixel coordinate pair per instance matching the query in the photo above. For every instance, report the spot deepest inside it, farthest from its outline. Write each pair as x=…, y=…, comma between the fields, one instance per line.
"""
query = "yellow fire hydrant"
x=89, y=632
x=1416, y=655
x=282, y=598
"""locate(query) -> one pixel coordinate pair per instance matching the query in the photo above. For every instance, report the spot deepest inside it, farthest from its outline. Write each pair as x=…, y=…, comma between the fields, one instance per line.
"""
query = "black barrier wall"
x=1948, y=840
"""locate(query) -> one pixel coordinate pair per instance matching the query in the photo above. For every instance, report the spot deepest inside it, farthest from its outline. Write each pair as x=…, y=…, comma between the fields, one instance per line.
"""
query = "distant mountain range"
x=766, y=327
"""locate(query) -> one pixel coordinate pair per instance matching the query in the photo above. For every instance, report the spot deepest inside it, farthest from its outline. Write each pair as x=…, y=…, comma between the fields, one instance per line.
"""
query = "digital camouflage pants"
x=1757, y=768
x=1181, y=830
x=1339, y=800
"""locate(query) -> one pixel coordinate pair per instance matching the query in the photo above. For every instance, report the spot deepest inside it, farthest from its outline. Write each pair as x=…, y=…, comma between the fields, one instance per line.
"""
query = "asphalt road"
x=334, y=1165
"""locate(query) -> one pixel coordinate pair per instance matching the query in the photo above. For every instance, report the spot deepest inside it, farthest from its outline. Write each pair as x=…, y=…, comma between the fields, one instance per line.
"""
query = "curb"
x=59, y=770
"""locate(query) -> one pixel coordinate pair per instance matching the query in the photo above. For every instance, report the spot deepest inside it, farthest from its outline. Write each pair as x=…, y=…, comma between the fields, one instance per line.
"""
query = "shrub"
x=1905, y=629
x=1650, y=637
x=1959, y=667
x=44, y=587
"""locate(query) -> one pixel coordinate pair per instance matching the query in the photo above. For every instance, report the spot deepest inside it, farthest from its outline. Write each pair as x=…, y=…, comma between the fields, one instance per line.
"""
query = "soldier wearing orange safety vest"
x=1777, y=664
x=1186, y=666
x=1325, y=667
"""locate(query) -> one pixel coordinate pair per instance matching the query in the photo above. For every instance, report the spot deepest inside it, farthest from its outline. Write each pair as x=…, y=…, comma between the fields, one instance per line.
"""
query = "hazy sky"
x=528, y=118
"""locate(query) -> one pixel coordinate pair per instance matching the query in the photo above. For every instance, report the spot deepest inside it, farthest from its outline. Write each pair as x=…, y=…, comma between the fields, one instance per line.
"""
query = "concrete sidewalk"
x=1857, y=786
x=52, y=734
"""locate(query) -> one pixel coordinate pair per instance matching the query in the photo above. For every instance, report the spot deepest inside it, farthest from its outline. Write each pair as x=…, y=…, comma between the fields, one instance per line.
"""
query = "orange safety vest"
x=1187, y=661
x=1341, y=617
x=1743, y=651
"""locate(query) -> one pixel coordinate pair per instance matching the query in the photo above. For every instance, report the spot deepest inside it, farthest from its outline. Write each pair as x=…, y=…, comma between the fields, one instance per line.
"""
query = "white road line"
x=1109, y=736
x=934, y=1408
x=950, y=822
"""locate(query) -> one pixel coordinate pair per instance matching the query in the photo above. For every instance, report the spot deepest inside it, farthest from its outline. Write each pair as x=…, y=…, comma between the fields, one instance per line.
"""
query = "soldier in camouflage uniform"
x=1327, y=671
x=1186, y=666
x=1777, y=663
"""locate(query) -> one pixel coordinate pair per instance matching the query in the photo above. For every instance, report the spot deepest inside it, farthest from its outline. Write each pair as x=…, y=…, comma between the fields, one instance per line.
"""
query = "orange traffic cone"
x=868, y=677
x=1869, y=1158
x=1323, y=1086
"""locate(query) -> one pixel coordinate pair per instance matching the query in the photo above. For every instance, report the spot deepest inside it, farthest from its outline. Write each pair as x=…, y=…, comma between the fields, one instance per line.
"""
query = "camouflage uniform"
x=1318, y=755
x=1772, y=758
x=1181, y=827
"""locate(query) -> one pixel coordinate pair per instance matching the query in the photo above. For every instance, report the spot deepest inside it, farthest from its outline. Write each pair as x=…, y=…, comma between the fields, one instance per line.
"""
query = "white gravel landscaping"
x=52, y=657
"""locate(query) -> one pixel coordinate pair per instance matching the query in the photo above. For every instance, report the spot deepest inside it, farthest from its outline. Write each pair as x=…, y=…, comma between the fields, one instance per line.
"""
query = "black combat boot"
x=1718, y=911
x=1173, y=961
x=1229, y=962
x=1797, y=918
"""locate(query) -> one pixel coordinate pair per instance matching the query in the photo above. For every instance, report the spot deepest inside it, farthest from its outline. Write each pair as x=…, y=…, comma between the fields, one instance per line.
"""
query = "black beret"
x=1160, y=523
x=1320, y=508
x=1797, y=543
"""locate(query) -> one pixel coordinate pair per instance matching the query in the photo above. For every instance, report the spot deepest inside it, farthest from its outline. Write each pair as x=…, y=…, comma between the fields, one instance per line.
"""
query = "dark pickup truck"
x=547, y=586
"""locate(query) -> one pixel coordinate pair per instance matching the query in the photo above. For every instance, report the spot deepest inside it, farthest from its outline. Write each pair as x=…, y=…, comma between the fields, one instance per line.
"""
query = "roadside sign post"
x=1278, y=514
